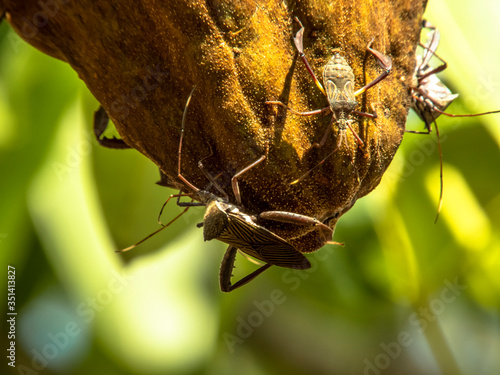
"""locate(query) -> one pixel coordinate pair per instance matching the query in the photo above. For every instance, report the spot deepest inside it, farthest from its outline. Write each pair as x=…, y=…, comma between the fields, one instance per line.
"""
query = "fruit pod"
x=142, y=59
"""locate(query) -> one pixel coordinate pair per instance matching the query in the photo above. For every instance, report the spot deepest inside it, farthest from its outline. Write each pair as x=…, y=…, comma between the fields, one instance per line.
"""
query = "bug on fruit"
x=231, y=223
x=430, y=97
x=338, y=79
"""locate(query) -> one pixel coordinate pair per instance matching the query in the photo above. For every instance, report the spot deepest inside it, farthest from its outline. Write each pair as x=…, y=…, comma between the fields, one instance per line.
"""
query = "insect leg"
x=428, y=130
x=441, y=182
x=360, y=142
x=434, y=108
x=364, y=114
x=327, y=133
x=431, y=46
x=298, y=40
x=234, y=179
x=430, y=50
x=181, y=177
x=209, y=176
x=101, y=120
x=179, y=203
x=436, y=70
x=163, y=225
x=308, y=113
x=469, y=115
x=325, y=231
x=385, y=63
x=226, y=271
x=320, y=144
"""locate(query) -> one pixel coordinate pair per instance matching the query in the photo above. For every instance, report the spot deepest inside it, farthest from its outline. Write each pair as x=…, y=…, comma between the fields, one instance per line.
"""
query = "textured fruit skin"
x=141, y=60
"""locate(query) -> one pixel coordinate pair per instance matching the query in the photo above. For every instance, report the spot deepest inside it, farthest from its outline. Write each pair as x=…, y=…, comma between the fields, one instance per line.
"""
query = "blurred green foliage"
x=405, y=295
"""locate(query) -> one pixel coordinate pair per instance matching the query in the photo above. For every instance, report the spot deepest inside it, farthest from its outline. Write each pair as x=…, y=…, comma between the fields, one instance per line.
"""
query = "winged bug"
x=338, y=79
x=230, y=223
x=431, y=97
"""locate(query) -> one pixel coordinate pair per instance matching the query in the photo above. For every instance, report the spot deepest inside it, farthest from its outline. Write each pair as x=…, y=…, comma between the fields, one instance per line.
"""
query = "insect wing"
x=440, y=96
x=431, y=45
x=261, y=243
x=338, y=79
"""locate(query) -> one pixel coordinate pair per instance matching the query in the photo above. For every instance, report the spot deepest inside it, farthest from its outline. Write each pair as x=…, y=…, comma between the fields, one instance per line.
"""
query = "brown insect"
x=430, y=96
x=338, y=79
x=230, y=223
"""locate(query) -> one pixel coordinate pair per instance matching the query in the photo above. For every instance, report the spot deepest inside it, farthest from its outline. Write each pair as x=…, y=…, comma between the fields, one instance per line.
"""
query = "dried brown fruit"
x=141, y=60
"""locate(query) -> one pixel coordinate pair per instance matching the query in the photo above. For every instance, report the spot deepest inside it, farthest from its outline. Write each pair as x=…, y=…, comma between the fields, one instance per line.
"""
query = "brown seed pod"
x=141, y=59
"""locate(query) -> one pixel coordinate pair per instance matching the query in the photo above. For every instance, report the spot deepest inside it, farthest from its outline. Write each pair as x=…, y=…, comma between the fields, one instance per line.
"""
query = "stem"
x=438, y=342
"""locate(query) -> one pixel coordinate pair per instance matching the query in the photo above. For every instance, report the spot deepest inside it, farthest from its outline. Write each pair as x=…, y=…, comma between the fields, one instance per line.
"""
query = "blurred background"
x=404, y=295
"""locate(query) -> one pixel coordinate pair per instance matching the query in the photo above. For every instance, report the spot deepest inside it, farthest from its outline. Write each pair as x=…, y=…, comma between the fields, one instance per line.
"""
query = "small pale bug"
x=430, y=96
x=338, y=79
x=229, y=223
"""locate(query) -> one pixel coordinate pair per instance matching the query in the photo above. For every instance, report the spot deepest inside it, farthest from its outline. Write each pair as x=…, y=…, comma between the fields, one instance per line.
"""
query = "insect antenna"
x=211, y=178
x=156, y=231
x=440, y=151
x=178, y=204
x=185, y=204
x=466, y=115
x=441, y=180
x=317, y=165
x=339, y=143
x=189, y=184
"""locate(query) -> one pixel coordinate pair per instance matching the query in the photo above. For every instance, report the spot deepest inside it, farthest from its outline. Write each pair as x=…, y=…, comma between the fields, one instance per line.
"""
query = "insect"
x=430, y=97
x=338, y=79
x=230, y=223
x=429, y=94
